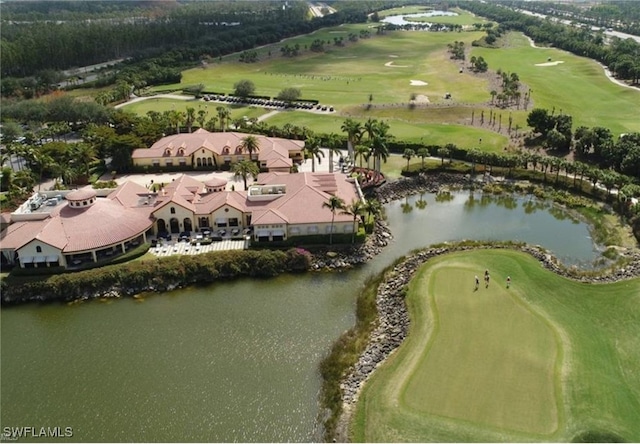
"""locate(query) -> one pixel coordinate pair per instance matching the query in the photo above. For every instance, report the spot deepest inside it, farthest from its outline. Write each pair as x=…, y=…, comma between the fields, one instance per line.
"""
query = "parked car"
x=164, y=235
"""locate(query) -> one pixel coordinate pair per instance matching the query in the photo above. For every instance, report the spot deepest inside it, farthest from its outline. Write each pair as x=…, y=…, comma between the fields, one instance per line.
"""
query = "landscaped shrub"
x=157, y=274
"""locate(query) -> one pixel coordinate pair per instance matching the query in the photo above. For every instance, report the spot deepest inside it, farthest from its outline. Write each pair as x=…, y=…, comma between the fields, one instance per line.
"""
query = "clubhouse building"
x=202, y=149
x=70, y=228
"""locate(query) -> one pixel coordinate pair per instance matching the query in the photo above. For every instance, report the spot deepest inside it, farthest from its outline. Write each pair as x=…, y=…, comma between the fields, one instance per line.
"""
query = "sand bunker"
x=418, y=83
x=390, y=64
x=550, y=63
x=421, y=99
x=393, y=55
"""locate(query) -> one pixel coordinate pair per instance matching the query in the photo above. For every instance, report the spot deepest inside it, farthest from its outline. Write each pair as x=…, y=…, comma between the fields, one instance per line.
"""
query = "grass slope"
x=578, y=86
x=548, y=359
x=383, y=67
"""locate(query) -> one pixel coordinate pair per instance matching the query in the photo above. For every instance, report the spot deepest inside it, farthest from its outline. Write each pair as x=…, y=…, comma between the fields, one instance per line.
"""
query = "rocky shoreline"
x=393, y=319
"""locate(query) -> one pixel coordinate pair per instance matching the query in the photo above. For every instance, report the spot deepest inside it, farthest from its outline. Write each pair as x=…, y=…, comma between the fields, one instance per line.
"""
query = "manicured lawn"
x=387, y=71
x=429, y=133
x=547, y=359
x=577, y=87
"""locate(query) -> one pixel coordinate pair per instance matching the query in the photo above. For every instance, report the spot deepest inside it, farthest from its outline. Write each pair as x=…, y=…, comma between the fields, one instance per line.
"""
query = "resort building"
x=202, y=149
x=71, y=228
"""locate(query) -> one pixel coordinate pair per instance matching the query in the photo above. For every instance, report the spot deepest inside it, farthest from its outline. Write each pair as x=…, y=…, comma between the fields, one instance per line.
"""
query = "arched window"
x=173, y=210
x=38, y=249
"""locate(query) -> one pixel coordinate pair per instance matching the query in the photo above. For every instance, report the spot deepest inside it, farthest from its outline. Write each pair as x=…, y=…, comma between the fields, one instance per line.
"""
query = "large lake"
x=235, y=361
x=400, y=20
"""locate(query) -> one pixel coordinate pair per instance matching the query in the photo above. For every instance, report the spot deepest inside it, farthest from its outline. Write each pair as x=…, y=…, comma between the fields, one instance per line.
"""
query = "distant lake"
x=400, y=19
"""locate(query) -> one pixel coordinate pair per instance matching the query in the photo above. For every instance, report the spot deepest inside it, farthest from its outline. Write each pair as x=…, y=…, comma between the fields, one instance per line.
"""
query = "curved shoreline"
x=393, y=319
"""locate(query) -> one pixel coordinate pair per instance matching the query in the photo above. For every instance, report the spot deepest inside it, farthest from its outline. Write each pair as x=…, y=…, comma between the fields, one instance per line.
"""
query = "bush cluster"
x=158, y=274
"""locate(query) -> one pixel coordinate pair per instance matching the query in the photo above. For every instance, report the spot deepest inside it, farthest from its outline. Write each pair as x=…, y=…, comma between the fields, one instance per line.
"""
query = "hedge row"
x=158, y=274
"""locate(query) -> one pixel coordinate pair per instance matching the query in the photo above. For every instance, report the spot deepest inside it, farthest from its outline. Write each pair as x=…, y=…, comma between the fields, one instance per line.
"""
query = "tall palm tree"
x=251, y=144
x=355, y=209
x=312, y=147
x=223, y=116
x=244, y=169
x=370, y=127
x=362, y=152
x=354, y=130
x=190, y=117
x=373, y=209
x=334, y=204
x=333, y=141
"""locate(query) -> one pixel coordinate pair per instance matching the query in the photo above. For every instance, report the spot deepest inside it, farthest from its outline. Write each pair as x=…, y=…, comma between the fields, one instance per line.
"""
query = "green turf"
x=547, y=359
x=382, y=68
x=577, y=87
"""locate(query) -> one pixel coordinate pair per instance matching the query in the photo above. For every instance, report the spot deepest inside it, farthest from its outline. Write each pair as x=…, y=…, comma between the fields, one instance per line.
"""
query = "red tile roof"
x=270, y=148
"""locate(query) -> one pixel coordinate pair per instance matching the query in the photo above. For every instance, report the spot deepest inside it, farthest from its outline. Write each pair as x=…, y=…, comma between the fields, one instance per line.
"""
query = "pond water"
x=236, y=361
x=401, y=19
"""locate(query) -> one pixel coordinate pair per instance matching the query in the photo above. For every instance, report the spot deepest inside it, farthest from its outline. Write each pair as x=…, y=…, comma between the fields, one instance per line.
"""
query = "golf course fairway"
x=547, y=359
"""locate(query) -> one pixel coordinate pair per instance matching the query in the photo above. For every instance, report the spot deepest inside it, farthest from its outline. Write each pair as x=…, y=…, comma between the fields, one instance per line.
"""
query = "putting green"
x=547, y=359
x=490, y=358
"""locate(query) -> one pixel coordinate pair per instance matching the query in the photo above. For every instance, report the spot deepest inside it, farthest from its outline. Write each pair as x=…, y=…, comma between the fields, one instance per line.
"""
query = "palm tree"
x=443, y=152
x=312, y=147
x=251, y=144
x=174, y=118
x=211, y=124
x=190, y=117
x=244, y=169
x=362, y=152
x=355, y=209
x=408, y=154
x=373, y=209
x=378, y=141
x=370, y=127
x=354, y=134
x=85, y=155
x=422, y=154
x=473, y=156
x=202, y=115
x=334, y=204
x=223, y=115
x=332, y=146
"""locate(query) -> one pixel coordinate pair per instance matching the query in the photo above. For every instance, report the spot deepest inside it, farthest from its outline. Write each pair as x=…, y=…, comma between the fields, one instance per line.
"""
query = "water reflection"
x=472, y=214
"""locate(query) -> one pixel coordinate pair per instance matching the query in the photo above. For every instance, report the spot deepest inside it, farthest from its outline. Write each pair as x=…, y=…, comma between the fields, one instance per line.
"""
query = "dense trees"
x=244, y=88
x=290, y=94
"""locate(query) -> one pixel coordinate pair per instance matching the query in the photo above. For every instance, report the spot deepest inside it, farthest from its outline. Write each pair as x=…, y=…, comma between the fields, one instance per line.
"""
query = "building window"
x=173, y=210
x=233, y=221
x=84, y=203
x=38, y=249
x=169, y=162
